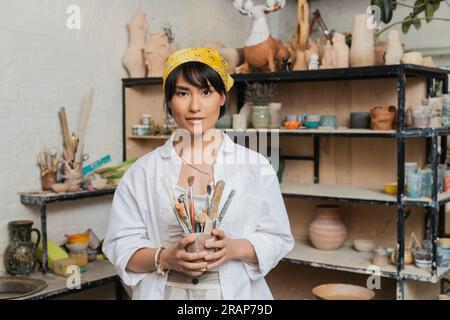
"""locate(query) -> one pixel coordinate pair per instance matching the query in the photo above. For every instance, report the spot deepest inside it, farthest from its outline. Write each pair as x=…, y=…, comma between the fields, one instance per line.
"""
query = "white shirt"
x=141, y=215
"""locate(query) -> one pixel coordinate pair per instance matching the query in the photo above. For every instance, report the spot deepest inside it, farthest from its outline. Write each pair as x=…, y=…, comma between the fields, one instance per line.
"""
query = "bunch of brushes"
x=203, y=220
x=48, y=162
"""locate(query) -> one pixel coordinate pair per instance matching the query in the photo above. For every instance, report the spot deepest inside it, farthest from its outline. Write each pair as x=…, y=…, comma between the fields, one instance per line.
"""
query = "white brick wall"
x=44, y=66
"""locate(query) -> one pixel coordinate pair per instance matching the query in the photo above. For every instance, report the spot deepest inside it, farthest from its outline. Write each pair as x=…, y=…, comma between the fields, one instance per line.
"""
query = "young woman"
x=144, y=240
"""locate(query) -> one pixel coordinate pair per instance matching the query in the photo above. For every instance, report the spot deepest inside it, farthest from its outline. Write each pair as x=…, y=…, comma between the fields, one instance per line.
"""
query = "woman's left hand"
x=226, y=249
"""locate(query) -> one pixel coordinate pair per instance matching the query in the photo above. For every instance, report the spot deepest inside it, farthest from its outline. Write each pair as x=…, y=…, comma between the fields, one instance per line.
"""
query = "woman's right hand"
x=175, y=257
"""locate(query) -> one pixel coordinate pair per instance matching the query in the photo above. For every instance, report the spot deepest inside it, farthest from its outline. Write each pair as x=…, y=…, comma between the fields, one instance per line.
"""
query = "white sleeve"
x=272, y=239
x=126, y=233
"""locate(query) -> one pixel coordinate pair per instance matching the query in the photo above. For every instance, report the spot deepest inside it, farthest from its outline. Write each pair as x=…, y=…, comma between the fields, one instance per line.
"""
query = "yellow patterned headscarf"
x=208, y=56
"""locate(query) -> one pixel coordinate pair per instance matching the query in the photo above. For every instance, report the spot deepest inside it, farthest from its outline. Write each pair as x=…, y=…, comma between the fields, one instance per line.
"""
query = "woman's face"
x=194, y=107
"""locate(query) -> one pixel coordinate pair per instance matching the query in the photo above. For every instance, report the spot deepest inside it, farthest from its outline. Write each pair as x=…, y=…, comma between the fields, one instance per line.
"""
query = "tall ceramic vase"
x=327, y=231
x=275, y=118
x=394, y=51
x=362, y=52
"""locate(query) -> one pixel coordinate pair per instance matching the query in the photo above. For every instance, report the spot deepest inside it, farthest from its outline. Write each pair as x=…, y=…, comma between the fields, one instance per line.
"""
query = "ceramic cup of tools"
x=199, y=244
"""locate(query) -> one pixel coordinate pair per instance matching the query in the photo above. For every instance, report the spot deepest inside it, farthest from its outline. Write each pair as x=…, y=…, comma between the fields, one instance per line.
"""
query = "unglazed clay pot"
x=362, y=52
x=382, y=117
x=341, y=51
x=327, y=231
x=394, y=51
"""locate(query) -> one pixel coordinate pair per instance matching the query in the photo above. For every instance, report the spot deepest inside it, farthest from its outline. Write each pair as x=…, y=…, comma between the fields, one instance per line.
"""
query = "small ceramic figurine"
x=156, y=52
x=394, y=51
x=133, y=60
x=72, y=177
x=314, y=62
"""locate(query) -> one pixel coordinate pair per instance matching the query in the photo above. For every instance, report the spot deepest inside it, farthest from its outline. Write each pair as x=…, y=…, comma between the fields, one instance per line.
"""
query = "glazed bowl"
x=363, y=245
x=312, y=118
x=391, y=188
x=78, y=238
x=339, y=291
x=329, y=121
x=60, y=187
x=77, y=246
x=423, y=264
x=312, y=124
x=292, y=124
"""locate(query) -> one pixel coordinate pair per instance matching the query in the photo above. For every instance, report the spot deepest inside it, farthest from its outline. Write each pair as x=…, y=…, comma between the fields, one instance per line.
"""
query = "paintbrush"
x=191, y=180
x=186, y=219
x=208, y=194
x=225, y=208
x=171, y=199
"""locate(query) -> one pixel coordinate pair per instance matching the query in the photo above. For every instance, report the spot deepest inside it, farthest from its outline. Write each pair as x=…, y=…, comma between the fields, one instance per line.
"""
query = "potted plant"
x=259, y=96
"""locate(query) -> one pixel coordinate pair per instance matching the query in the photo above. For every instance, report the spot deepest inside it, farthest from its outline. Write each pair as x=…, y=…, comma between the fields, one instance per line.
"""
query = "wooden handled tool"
x=87, y=106
x=68, y=154
x=215, y=201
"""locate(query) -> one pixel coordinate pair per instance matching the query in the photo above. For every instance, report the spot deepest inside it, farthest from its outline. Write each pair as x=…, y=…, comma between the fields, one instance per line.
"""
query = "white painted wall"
x=45, y=66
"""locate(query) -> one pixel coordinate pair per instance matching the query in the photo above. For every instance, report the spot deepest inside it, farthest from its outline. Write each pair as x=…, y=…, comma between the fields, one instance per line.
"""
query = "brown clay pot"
x=382, y=117
x=327, y=231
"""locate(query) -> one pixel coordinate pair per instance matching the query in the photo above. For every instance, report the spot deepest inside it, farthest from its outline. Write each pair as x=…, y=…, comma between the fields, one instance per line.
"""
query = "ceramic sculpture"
x=261, y=49
x=156, y=52
x=133, y=60
x=329, y=57
x=341, y=51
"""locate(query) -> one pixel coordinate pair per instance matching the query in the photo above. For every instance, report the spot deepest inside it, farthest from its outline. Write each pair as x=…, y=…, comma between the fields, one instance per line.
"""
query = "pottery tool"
x=84, y=121
x=225, y=208
x=191, y=180
x=217, y=195
x=68, y=152
x=209, y=225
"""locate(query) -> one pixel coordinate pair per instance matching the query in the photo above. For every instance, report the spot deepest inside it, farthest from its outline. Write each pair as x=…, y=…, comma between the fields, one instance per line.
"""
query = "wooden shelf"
x=316, y=132
x=40, y=197
x=354, y=73
x=350, y=260
x=98, y=273
x=352, y=194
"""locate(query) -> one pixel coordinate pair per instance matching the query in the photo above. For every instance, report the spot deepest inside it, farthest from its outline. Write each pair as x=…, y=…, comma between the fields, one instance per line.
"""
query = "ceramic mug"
x=414, y=182
x=329, y=121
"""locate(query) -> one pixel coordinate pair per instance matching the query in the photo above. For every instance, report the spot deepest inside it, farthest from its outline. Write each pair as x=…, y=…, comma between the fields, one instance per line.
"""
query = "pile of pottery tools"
x=198, y=220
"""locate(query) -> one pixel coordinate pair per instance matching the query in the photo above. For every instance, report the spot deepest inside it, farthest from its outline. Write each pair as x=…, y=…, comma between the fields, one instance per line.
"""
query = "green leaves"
x=386, y=9
x=427, y=7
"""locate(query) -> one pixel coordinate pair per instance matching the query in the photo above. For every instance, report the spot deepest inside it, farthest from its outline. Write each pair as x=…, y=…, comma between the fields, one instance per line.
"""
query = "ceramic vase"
x=19, y=257
x=362, y=52
x=341, y=51
x=260, y=117
x=327, y=231
x=329, y=57
x=275, y=118
x=394, y=51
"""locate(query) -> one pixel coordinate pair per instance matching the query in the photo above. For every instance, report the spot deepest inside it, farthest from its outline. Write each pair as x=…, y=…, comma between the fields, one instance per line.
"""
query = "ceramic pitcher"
x=20, y=253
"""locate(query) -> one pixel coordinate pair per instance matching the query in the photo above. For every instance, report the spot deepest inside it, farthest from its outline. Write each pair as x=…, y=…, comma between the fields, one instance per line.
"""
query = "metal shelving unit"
x=41, y=199
x=435, y=205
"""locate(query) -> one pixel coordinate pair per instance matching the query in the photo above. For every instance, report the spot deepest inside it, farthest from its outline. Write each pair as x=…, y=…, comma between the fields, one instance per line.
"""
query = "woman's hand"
x=175, y=257
x=227, y=249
